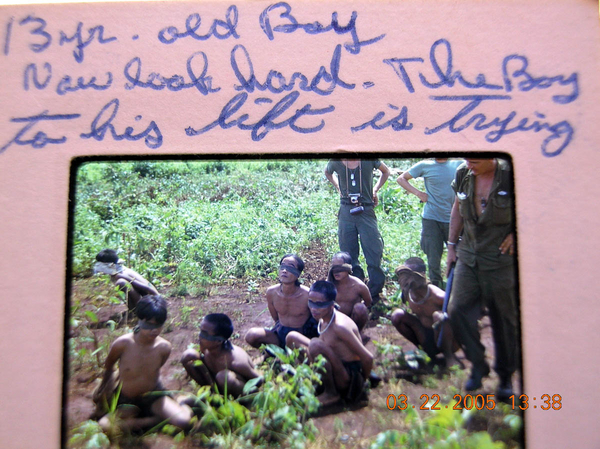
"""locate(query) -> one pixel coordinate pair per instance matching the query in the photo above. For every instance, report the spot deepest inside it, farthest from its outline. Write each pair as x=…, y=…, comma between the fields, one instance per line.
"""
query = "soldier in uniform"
x=485, y=270
x=356, y=216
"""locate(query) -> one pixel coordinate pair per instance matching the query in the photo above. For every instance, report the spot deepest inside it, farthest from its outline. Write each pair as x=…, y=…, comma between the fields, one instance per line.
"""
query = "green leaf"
x=98, y=441
x=91, y=316
x=250, y=385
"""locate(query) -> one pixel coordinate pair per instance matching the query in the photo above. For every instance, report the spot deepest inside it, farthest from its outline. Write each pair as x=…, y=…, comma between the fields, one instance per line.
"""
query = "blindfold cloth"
x=290, y=269
x=338, y=269
x=224, y=342
x=143, y=324
x=320, y=304
x=107, y=268
x=207, y=337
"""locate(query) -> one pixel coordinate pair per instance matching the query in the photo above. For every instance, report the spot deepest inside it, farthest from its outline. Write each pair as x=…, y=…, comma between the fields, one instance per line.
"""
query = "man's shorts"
x=144, y=401
x=357, y=381
x=308, y=329
x=430, y=345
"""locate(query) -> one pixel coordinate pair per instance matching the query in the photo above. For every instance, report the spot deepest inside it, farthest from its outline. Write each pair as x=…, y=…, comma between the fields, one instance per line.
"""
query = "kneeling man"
x=422, y=326
x=349, y=363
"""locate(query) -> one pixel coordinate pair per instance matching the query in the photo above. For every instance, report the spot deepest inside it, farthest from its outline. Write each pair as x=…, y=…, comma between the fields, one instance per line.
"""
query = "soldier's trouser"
x=433, y=236
x=473, y=288
x=350, y=227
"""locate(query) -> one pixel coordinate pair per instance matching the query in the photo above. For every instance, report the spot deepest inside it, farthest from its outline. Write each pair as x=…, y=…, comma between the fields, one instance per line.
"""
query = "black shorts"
x=308, y=329
x=357, y=381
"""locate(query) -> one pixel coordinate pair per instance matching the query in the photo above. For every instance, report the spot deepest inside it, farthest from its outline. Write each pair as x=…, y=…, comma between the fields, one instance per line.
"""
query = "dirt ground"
x=341, y=427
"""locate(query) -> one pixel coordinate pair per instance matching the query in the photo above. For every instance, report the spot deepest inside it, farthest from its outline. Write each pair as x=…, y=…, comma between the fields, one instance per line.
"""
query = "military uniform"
x=350, y=227
x=483, y=276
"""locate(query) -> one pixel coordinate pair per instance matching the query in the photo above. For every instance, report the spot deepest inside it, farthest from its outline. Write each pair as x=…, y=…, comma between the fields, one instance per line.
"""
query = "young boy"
x=288, y=305
x=349, y=363
x=221, y=360
x=425, y=301
x=133, y=284
x=142, y=401
x=353, y=295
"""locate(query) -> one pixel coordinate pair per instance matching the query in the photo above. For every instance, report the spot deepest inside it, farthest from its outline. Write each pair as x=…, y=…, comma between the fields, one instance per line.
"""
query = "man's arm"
x=195, y=367
x=403, y=181
x=456, y=226
x=114, y=354
x=385, y=174
x=271, y=306
x=166, y=351
x=333, y=180
x=364, y=293
x=138, y=283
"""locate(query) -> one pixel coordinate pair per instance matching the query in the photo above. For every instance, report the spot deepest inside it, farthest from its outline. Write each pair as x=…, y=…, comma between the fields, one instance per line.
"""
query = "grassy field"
x=209, y=236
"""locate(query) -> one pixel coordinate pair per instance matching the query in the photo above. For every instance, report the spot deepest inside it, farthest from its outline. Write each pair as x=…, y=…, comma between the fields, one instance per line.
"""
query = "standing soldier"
x=485, y=271
x=357, y=217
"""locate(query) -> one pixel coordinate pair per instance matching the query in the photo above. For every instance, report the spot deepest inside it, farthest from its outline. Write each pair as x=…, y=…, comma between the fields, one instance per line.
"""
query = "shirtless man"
x=425, y=301
x=221, y=361
x=353, y=295
x=349, y=363
x=288, y=305
x=143, y=402
x=133, y=284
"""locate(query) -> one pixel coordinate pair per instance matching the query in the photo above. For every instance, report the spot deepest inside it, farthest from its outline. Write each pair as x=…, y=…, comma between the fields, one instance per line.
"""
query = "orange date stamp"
x=478, y=401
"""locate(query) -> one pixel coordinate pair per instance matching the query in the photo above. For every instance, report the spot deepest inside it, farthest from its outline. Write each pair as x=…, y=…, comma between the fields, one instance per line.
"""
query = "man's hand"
x=375, y=199
x=422, y=196
x=507, y=245
x=450, y=259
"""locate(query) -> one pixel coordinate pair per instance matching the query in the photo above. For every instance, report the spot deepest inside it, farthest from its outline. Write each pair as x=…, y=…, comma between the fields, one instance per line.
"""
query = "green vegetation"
x=193, y=224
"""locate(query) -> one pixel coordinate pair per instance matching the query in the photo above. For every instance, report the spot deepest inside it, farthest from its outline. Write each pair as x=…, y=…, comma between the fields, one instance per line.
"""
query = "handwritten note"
x=54, y=61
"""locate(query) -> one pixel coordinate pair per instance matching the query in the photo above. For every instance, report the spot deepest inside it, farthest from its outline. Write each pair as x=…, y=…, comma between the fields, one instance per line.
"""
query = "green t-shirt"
x=351, y=180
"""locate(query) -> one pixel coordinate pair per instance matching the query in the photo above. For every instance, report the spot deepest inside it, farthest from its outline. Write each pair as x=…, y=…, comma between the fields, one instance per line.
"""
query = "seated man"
x=220, y=361
x=425, y=301
x=353, y=295
x=288, y=305
x=143, y=402
x=349, y=363
x=130, y=282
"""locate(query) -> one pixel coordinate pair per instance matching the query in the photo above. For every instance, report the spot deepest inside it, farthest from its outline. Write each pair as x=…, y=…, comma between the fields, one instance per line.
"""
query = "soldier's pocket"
x=502, y=202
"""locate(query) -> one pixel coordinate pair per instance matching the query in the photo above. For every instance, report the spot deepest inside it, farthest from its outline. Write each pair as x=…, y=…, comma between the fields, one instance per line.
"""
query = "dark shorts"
x=308, y=329
x=144, y=401
x=357, y=381
x=430, y=345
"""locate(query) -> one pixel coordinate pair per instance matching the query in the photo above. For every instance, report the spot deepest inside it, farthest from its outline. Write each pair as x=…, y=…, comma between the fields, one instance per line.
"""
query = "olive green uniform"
x=483, y=276
x=350, y=227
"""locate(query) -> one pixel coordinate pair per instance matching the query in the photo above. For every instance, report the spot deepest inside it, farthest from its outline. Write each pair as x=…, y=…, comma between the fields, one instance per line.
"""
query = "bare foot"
x=327, y=399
